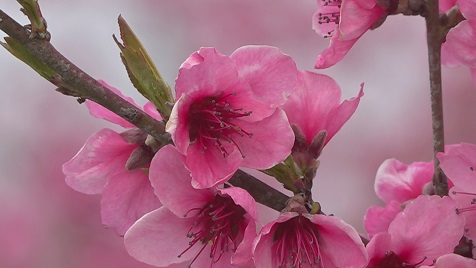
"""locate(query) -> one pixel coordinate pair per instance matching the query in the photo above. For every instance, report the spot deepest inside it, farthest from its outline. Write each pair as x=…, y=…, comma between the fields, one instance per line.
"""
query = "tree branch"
x=75, y=82
x=434, y=40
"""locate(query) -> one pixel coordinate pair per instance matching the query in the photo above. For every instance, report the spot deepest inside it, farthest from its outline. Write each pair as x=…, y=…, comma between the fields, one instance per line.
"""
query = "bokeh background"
x=46, y=224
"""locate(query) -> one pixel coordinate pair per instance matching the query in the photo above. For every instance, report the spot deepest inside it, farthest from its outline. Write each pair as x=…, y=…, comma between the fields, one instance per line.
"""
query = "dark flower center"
x=212, y=121
x=219, y=224
x=295, y=244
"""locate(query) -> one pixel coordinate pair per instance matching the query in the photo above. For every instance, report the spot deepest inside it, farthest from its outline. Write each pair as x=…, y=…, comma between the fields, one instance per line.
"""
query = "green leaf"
x=142, y=72
x=22, y=54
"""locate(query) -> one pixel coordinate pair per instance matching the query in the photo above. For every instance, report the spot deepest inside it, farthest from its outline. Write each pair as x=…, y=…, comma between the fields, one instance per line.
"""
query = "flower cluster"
x=177, y=204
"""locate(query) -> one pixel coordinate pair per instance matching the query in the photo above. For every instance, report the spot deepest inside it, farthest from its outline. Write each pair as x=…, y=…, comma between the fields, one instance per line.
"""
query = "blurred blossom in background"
x=44, y=223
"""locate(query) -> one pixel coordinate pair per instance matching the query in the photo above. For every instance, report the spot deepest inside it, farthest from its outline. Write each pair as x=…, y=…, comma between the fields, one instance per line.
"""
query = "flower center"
x=391, y=260
x=219, y=224
x=330, y=14
x=211, y=120
x=295, y=244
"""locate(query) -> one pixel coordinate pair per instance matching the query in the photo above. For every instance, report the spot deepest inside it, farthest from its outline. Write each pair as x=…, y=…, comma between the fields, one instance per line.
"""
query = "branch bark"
x=434, y=41
x=86, y=87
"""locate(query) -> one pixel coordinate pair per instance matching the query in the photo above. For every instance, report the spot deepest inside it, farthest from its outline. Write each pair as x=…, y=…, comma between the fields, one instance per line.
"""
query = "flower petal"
x=459, y=163
x=428, y=227
x=334, y=53
x=271, y=74
x=466, y=207
x=378, y=247
x=212, y=75
x=208, y=167
x=265, y=148
x=104, y=154
x=127, y=197
x=377, y=219
x=454, y=260
x=400, y=182
x=339, y=242
x=172, y=182
x=159, y=237
x=99, y=111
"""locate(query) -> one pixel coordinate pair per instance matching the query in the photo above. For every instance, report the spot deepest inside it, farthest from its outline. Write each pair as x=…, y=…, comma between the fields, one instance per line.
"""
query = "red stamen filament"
x=219, y=225
x=211, y=121
x=296, y=244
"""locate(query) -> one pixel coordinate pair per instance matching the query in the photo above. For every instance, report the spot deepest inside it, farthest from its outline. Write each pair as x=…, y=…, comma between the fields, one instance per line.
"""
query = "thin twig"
x=434, y=40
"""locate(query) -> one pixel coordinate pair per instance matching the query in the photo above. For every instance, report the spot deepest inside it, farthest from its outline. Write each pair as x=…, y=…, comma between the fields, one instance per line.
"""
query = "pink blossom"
x=453, y=260
x=345, y=21
x=315, y=106
x=197, y=227
x=459, y=163
x=304, y=240
x=226, y=113
x=459, y=47
x=396, y=183
x=426, y=229
x=100, y=168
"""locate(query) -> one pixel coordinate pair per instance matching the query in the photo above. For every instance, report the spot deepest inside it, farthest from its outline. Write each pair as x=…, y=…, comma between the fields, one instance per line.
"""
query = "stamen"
x=218, y=225
x=211, y=121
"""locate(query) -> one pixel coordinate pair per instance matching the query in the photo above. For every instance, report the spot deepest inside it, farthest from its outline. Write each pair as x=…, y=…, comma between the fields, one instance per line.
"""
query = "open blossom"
x=344, y=21
x=459, y=164
x=226, y=113
x=196, y=227
x=426, y=229
x=304, y=240
x=100, y=168
x=396, y=184
x=315, y=106
x=459, y=47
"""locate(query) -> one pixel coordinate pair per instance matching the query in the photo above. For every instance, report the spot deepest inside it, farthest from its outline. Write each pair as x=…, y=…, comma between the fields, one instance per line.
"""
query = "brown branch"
x=434, y=40
x=84, y=86
x=75, y=82
x=261, y=192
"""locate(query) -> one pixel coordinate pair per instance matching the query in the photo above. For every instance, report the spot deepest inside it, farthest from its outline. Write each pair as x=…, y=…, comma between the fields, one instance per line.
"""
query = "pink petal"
x=324, y=29
x=377, y=219
x=334, y=53
x=445, y=5
x=400, y=182
x=99, y=111
x=126, y=198
x=458, y=163
x=271, y=74
x=339, y=242
x=150, y=109
x=242, y=198
x=467, y=8
x=159, y=237
x=429, y=226
x=172, y=182
x=339, y=115
x=270, y=144
x=214, y=74
x=378, y=247
x=460, y=47
x=262, y=254
x=453, y=260
x=208, y=167
x=357, y=16
x=104, y=154
x=177, y=125
x=243, y=254
x=465, y=203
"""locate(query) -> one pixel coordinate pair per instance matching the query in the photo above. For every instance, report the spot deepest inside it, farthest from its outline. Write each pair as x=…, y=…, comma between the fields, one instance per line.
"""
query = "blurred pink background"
x=44, y=223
